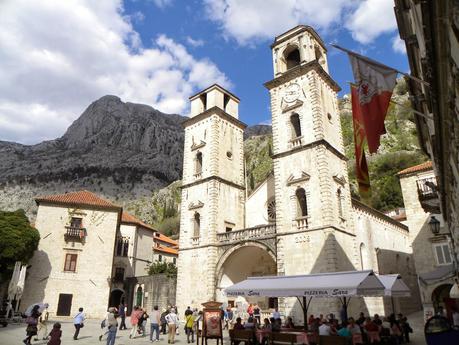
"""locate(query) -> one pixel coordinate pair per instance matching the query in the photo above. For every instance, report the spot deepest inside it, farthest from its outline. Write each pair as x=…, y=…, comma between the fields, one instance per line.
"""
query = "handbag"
x=31, y=321
x=81, y=325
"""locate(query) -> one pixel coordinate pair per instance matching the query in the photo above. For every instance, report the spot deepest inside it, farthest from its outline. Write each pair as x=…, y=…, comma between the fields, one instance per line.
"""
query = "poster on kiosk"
x=212, y=323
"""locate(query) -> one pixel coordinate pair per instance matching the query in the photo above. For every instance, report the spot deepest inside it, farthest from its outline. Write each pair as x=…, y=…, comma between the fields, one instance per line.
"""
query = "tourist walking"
x=163, y=320
x=43, y=324
x=155, y=320
x=112, y=325
x=135, y=315
x=122, y=315
x=172, y=322
x=55, y=335
x=142, y=320
x=78, y=322
x=32, y=321
x=189, y=322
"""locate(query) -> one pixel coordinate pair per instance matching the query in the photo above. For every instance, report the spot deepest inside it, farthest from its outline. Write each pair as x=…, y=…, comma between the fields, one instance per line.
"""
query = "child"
x=55, y=335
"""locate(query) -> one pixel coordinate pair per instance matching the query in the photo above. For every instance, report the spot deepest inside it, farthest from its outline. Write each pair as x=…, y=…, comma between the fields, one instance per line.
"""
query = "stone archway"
x=442, y=303
x=242, y=261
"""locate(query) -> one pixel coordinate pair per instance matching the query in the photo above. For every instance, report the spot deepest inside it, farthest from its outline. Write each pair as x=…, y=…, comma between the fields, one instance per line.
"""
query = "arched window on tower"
x=296, y=126
x=198, y=166
x=318, y=55
x=196, y=225
x=302, y=207
x=292, y=57
x=339, y=196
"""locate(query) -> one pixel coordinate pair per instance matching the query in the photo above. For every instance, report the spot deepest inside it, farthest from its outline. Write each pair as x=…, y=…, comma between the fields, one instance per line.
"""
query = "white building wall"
x=46, y=278
x=256, y=206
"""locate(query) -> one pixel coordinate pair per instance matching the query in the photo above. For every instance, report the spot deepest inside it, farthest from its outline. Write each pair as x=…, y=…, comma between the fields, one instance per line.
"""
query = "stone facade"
x=301, y=219
x=425, y=243
x=89, y=282
x=430, y=31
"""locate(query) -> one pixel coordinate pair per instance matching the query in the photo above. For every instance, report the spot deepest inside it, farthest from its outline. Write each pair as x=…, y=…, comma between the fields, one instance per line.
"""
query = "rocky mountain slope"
x=119, y=150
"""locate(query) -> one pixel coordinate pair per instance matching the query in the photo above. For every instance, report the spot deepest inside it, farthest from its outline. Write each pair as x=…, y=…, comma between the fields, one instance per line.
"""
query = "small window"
x=339, y=196
x=174, y=261
x=160, y=258
x=76, y=222
x=196, y=225
x=126, y=247
x=443, y=254
x=229, y=154
x=228, y=229
x=226, y=99
x=198, y=168
x=302, y=207
x=296, y=126
x=203, y=99
x=70, y=262
x=329, y=116
x=119, y=274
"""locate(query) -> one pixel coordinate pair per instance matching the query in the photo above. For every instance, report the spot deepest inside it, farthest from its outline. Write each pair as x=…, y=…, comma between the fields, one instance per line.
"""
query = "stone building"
x=165, y=249
x=430, y=30
x=88, y=251
x=432, y=253
x=302, y=219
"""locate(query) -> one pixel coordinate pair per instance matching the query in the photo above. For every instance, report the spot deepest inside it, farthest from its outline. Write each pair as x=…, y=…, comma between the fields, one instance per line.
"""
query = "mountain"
x=121, y=151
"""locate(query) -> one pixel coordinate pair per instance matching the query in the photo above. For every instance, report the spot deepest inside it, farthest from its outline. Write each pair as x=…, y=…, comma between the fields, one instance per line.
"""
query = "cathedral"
x=302, y=218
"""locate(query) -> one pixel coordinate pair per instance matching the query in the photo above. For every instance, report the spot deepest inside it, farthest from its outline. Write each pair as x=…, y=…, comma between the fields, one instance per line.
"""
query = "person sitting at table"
x=355, y=332
x=250, y=324
x=276, y=325
x=372, y=331
x=324, y=328
x=344, y=331
x=289, y=323
x=266, y=325
x=238, y=324
x=377, y=320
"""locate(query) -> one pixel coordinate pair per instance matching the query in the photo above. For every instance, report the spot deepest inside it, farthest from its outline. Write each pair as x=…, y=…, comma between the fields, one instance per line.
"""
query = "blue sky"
x=58, y=57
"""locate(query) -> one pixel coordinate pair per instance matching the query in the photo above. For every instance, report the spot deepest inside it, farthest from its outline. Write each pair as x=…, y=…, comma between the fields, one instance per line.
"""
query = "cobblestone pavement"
x=14, y=334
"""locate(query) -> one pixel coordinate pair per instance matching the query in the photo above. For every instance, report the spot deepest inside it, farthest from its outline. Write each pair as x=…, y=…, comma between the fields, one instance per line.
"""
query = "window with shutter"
x=70, y=262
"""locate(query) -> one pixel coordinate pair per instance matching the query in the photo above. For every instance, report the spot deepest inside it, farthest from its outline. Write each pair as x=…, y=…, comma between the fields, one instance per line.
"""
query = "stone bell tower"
x=314, y=221
x=213, y=192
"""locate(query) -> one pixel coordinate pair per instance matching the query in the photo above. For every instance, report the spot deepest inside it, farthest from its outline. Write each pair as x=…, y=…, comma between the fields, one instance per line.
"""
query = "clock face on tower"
x=292, y=92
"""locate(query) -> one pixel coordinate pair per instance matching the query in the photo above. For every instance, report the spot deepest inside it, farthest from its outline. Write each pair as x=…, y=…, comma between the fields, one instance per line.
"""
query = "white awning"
x=394, y=285
x=335, y=284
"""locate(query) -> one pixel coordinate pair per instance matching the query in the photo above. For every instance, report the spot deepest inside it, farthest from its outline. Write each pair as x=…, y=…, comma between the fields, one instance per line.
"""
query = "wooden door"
x=64, y=305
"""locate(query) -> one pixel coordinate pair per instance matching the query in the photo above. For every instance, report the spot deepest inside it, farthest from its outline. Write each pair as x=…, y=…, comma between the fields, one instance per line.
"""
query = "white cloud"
x=371, y=19
x=194, y=43
x=398, y=45
x=251, y=21
x=266, y=122
x=162, y=3
x=57, y=56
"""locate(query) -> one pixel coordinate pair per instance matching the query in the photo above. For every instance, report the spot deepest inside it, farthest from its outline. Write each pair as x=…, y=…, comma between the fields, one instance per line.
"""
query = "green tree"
x=167, y=268
x=18, y=240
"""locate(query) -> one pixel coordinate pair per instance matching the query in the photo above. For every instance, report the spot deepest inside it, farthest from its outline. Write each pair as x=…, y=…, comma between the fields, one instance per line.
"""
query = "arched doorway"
x=442, y=303
x=116, y=297
x=139, y=296
x=248, y=260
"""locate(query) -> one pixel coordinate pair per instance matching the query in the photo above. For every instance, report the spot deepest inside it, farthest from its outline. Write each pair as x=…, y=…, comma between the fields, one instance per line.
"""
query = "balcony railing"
x=198, y=175
x=296, y=142
x=75, y=234
x=247, y=234
x=427, y=188
x=302, y=222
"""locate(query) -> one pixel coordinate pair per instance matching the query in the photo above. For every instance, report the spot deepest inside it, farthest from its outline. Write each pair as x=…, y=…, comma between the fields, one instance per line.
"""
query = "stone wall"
x=157, y=290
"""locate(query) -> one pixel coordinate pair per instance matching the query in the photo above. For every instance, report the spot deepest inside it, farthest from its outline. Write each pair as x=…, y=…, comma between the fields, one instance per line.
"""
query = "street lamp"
x=434, y=224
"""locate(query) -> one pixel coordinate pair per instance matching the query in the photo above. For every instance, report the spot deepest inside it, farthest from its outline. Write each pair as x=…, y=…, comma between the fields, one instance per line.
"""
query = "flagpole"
x=414, y=111
x=379, y=64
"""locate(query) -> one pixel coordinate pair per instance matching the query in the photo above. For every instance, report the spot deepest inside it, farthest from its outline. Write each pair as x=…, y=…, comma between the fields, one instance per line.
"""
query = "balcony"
x=302, y=222
x=198, y=175
x=75, y=234
x=257, y=232
x=427, y=194
x=296, y=142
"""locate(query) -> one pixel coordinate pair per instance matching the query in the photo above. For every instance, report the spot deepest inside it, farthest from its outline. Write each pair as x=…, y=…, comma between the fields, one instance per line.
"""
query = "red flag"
x=375, y=84
x=361, y=167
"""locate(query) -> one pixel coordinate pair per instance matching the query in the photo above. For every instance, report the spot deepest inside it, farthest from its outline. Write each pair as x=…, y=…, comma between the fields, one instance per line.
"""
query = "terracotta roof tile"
x=160, y=237
x=417, y=168
x=81, y=198
x=127, y=218
x=165, y=249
